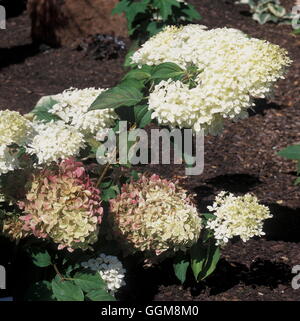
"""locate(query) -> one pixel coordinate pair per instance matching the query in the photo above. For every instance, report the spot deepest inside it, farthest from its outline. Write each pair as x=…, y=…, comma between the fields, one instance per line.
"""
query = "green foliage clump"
x=265, y=11
x=146, y=18
x=292, y=152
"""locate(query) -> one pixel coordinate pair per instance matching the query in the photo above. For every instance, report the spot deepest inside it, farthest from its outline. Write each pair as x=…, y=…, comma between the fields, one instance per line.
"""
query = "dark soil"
x=258, y=270
x=243, y=159
x=28, y=72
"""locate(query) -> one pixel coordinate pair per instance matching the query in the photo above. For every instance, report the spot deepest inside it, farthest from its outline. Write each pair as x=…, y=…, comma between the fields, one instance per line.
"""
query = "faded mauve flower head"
x=154, y=216
x=64, y=205
x=12, y=227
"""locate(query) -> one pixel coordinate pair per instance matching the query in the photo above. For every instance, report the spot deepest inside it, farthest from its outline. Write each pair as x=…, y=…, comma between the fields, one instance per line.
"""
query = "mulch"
x=242, y=159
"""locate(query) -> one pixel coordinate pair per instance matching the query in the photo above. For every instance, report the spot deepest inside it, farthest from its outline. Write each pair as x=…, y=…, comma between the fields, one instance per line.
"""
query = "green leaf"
x=45, y=116
x=191, y=13
x=135, y=175
x=153, y=28
x=139, y=112
x=131, y=29
x=274, y=19
x=41, y=259
x=291, y=152
x=142, y=116
x=120, y=7
x=41, y=110
x=138, y=74
x=133, y=47
x=21, y=152
x=180, y=266
x=131, y=83
x=40, y=291
x=116, y=97
x=66, y=290
x=262, y=18
x=204, y=258
x=167, y=70
x=198, y=257
x=277, y=10
x=214, y=255
x=297, y=32
x=100, y=295
x=44, y=104
x=107, y=184
x=88, y=282
x=70, y=268
x=146, y=119
x=165, y=7
x=297, y=181
x=208, y=216
x=263, y=2
x=128, y=62
x=134, y=9
x=108, y=193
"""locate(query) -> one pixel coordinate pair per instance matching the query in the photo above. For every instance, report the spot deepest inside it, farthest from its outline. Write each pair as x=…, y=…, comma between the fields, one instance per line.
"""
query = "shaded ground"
x=27, y=73
x=243, y=159
x=258, y=270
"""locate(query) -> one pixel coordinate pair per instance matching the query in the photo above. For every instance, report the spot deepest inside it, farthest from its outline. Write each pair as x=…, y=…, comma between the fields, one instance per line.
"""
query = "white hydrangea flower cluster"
x=8, y=161
x=234, y=69
x=14, y=128
x=187, y=45
x=73, y=105
x=174, y=104
x=110, y=269
x=55, y=141
x=237, y=216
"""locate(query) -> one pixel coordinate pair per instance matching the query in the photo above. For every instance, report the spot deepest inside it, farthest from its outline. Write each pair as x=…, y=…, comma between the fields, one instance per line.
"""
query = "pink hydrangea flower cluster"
x=154, y=216
x=64, y=205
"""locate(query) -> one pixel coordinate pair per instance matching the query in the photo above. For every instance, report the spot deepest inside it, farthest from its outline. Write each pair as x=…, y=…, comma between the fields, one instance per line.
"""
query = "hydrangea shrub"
x=83, y=218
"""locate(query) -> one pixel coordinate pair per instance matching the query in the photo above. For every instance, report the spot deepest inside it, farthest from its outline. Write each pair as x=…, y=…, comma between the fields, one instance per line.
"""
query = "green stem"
x=58, y=273
x=62, y=278
x=106, y=168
